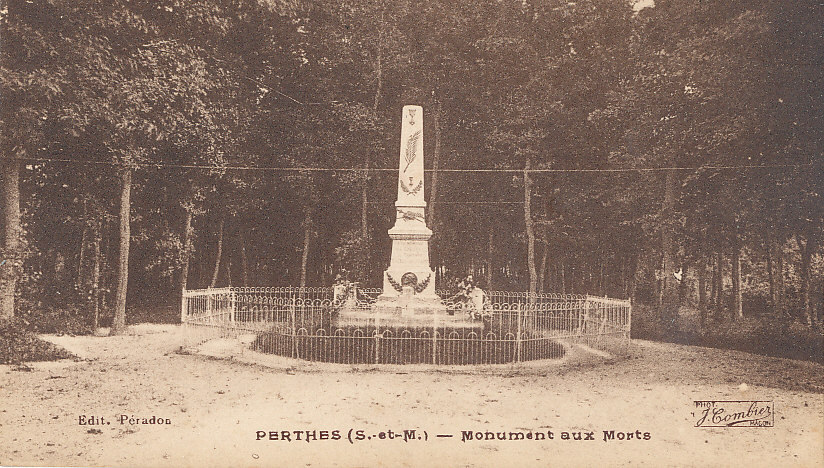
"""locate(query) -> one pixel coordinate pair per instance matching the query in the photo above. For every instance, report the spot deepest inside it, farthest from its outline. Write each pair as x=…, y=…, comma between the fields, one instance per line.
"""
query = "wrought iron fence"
x=305, y=323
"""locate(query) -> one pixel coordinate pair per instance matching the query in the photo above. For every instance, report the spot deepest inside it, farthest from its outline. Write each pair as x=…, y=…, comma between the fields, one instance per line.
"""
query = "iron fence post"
x=232, y=305
x=377, y=347
x=294, y=327
x=518, y=337
x=209, y=306
x=434, y=344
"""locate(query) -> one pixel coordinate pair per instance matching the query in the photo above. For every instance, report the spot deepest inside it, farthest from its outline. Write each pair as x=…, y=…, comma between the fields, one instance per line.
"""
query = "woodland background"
x=575, y=147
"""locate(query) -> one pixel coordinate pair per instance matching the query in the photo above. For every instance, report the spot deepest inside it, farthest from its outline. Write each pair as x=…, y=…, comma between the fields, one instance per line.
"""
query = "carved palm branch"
x=411, y=144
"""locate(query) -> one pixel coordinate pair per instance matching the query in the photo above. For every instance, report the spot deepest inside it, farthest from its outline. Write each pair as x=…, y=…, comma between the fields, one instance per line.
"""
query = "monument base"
x=406, y=312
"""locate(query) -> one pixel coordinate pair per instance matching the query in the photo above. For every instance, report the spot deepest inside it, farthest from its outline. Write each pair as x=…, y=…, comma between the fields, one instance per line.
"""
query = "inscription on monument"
x=410, y=252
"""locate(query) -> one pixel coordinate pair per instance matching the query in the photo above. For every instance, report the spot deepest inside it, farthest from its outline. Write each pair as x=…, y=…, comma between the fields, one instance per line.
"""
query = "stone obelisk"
x=409, y=274
x=408, y=297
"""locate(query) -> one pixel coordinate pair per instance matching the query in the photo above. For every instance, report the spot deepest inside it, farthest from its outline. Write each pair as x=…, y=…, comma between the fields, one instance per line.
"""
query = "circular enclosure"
x=306, y=324
x=407, y=345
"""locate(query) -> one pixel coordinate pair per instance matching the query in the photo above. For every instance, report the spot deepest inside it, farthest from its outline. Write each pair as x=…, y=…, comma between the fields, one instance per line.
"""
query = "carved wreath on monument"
x=411, y=190
x=409, y=279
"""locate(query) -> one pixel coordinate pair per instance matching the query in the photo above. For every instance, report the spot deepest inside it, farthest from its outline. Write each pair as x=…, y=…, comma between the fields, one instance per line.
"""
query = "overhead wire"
x=440, y=170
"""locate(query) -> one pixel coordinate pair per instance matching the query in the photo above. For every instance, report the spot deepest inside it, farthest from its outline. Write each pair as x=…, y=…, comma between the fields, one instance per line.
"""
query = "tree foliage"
x=685, y=136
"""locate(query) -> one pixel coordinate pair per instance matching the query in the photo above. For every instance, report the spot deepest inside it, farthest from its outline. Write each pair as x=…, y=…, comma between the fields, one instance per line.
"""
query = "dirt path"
x=217, y=406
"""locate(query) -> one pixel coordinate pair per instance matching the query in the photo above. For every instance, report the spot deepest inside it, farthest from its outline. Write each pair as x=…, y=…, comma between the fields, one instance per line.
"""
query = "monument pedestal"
x=409, y=264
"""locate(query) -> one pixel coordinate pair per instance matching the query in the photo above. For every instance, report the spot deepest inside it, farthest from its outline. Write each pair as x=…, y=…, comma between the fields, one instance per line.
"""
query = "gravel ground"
x=217, y=407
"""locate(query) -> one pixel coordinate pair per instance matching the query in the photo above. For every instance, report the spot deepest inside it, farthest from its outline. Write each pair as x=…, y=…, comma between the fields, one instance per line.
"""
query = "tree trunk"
x=106, y=276
x=365, y=197
x=9, y=271
x=821, y=300
x=433, y=188
x=79, y=284
x=666, y=294
x=489, y=259
x=770, y=273
x=244, y=260
x=216, y=270
x=95, y=292
x=633, y=272
x=572, y=285
x=702, y=292
x=713, y=282
x=530, y=232
x=737, y=308
x=780, y=286
x=229, y=269
x=682, y=285
x=544, y=256
x=307, y=235
x=368, y=154
x=119, y=322
x=187, y=248
x=563, y=278
x=719, y=286
x=623, y=275
x=806, y=284
x=588, y=280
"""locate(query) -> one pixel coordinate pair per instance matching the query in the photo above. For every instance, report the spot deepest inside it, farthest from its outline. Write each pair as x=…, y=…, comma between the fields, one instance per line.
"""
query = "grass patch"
x=18, y=345
x=765, y=335
x=152, y=314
